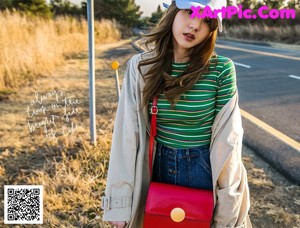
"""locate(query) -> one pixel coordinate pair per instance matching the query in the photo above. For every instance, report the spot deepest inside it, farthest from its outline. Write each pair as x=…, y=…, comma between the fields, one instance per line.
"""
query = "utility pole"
x=90, y=13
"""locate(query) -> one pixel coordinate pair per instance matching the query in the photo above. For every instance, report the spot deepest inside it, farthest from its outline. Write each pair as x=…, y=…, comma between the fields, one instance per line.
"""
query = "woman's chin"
x=186, y=45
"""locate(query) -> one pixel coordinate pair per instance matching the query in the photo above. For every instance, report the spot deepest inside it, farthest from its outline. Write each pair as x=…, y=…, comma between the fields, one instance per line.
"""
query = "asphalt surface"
x=268, y=92
x=268, y=81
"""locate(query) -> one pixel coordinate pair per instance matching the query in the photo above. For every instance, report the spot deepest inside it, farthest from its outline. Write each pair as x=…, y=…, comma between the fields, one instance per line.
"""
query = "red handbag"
x=173, y=206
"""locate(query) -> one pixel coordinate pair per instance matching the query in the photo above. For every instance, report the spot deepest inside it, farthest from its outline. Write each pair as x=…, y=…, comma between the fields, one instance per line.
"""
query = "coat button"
x=177, y=214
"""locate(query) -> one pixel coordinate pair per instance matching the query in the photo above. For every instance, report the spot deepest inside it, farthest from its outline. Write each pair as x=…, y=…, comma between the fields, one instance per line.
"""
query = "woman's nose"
x=195, y=24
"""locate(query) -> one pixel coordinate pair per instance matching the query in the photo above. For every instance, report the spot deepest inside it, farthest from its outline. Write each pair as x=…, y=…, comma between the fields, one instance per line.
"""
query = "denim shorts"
x=185, y=167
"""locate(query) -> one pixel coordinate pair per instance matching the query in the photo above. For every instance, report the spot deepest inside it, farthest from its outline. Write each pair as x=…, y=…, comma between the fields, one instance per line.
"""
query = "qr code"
x=23, y=204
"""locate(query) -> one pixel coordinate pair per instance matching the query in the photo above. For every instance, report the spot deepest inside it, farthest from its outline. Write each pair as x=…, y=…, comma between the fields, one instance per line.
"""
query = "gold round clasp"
x=177, y=214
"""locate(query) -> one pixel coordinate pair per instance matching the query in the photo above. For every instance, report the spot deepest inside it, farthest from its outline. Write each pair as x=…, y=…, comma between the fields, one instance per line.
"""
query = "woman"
x=198, y=114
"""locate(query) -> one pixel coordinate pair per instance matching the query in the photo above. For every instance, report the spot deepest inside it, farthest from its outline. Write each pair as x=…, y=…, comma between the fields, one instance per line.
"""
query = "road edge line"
x=286, y=139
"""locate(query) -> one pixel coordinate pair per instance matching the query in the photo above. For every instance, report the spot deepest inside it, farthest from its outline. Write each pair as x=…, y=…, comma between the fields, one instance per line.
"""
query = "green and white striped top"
x=189, y=123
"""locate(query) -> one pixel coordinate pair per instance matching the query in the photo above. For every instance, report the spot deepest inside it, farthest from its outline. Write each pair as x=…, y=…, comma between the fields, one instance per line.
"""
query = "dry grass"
x=274, y=200
x=282, y=34
x=30, y=47
x=72, y=171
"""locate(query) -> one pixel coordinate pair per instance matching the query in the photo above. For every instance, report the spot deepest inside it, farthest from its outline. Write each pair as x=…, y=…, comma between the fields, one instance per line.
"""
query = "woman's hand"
x=118, y=224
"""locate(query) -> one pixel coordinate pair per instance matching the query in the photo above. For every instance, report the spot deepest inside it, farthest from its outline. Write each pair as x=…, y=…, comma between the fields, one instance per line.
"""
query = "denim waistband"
x=182, y=152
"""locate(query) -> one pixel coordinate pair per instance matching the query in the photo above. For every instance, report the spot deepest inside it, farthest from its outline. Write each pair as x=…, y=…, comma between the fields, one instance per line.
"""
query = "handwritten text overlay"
x=54, y=113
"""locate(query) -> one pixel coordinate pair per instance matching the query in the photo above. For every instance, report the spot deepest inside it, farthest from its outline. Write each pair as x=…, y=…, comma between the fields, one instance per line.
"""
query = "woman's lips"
x=188, y=36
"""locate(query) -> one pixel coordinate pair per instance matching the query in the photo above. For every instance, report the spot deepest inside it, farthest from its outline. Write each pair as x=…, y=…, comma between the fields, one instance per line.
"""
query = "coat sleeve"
x=117, y=201
x=231, y=208
x=232, y=190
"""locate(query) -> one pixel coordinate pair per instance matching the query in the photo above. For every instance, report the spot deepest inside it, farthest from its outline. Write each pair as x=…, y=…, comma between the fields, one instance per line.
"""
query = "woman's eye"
x=189, y=11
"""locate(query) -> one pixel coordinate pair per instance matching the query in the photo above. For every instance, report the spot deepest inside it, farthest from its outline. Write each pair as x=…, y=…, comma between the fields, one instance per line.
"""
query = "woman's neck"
x=180, y=55
x=178, y=59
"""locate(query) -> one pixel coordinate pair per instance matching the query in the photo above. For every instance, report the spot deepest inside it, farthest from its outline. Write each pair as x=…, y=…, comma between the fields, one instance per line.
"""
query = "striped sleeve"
x=227, y=85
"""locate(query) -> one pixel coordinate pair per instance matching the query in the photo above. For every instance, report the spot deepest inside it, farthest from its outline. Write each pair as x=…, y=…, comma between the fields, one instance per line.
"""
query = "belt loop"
x=157, y=150
x=174, y=151
x=105, y=203
x=188, y=155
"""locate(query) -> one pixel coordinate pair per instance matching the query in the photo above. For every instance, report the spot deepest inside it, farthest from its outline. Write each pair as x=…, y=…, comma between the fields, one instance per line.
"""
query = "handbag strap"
x=153, y=111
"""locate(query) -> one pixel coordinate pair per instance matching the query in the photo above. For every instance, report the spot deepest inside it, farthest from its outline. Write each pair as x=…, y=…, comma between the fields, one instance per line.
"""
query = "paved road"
x=267, y=90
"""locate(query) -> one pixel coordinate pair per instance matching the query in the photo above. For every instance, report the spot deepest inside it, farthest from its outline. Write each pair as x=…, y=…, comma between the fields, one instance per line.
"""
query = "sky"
x=147, y=6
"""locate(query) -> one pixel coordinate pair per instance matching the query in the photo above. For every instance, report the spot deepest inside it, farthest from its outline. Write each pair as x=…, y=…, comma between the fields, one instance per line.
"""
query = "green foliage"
x=6, y=4
x=126, y=12
x=247, y=4
x=33, y=7
x=293, y=4
x=155, y=16
x=64, y=7
x=144, y=23
x=147, y=22
x=273, y=4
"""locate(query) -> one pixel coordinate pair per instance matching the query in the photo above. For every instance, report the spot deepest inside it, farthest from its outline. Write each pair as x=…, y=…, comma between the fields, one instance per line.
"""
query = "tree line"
x=127, y=12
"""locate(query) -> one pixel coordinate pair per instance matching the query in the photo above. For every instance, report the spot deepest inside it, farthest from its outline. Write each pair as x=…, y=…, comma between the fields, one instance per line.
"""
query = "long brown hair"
x=158, y=79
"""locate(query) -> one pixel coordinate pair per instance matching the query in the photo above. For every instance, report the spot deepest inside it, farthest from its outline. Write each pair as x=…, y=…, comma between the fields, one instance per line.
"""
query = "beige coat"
x=128, y=174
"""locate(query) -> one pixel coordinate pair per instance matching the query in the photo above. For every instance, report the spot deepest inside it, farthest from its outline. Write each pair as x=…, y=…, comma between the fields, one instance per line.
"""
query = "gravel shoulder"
x=275, y=201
